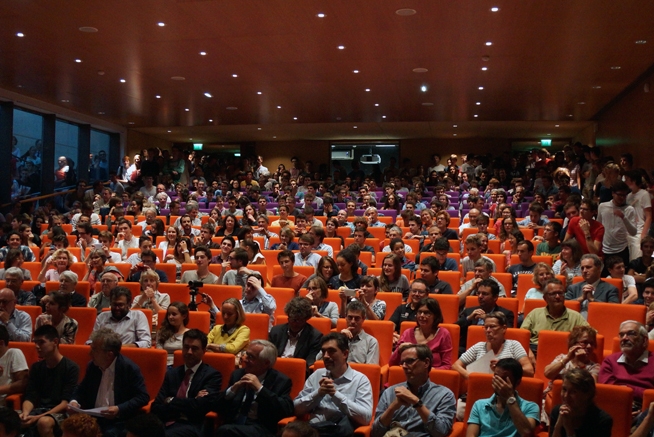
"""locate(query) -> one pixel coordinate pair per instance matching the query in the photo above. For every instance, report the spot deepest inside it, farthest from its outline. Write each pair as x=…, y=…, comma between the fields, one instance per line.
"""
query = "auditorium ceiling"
x=246, y=70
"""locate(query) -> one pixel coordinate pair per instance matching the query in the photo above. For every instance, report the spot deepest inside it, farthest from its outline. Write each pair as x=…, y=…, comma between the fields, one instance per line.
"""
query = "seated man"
x=359, y=236
x=418, y=405
x=633, y=366
x=429, y=272
x=14, y=368
x=148, y=262
x=407, y=312
x=526, y=264
x=112, y=382
x=305, y=257
x=487, y=292
x=17, y=322
x=132, y=326
x=51, y=384
x=108, y=281
x=297, y=339
x=505, y=413
x=188, y=391
x=483, y=270
x=256, y=300
x=592, y=289
x=318, y=234
x=258, y=396
x=535, y=220
x=239, y=272
x=615, y=266
x=473, y=248
x=14, y=279
x=337, y=398
x=364, y=348
x=442, y=247
x=554, y=316
x=288, y=278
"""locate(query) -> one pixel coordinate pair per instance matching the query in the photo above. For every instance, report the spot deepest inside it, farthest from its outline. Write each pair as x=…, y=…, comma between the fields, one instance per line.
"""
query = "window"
x=26, y=153
x=99, y=163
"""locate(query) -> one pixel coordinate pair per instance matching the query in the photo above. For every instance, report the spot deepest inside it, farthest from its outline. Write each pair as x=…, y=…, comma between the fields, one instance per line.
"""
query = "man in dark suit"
x=258, y=396
x=488, y=291
x=297, y=339
x=109, y=369
x=188, y=391
x=592, y=289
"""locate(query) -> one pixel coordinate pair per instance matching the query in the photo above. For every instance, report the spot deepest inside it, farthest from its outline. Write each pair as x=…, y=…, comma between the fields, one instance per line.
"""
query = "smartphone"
x=97, y=246
x=350, y=292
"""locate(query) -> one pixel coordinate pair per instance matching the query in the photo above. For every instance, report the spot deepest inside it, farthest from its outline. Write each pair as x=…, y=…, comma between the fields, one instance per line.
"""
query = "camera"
x=193, y=291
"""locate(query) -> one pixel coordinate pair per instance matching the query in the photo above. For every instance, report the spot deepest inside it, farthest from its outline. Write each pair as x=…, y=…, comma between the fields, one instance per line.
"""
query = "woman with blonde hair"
x=59, y=262
x=95, y=265
x=150, y=297
x=232, y=336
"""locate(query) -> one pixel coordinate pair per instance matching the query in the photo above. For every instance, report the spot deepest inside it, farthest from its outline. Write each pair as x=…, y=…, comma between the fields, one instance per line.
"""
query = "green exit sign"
x=197, y=146
x=545, y=143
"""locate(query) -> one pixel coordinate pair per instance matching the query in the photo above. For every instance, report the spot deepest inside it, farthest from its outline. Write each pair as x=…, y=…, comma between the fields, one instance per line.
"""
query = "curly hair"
x=81, y=425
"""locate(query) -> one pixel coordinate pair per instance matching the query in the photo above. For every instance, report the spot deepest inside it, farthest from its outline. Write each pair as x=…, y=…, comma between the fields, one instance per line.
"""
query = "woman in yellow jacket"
x=232, y=336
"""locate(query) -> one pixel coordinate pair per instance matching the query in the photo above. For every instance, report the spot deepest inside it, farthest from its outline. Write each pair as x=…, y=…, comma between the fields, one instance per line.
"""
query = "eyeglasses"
x=631, y=333
x=418, y=292
x=408, y=361
x=493, y=327
x=313, y=288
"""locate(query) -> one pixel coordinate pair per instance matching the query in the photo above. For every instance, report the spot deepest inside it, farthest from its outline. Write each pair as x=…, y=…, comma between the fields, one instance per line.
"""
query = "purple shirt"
x=639, y=379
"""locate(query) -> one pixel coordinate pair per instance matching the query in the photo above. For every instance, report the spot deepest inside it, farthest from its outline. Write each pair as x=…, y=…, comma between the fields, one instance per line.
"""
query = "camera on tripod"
x=193, y=291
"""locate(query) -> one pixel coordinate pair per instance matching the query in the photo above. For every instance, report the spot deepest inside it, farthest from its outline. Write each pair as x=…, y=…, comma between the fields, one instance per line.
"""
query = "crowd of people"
x=586, y=218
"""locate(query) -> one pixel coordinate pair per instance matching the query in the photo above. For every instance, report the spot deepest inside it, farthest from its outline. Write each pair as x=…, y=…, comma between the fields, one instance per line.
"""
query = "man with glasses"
x=554, y=316
x=108, y=281
x=418, y=405
x=17, y=322
x=132, y=326
x=407, y=312
x=633, y=366
x=14, y=279
x=258, y=396
x=306, y=257
x=620, y=220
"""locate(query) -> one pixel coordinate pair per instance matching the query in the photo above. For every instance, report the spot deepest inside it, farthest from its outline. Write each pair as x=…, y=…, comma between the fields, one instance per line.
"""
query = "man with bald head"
x=14, y=280
x=17, y=322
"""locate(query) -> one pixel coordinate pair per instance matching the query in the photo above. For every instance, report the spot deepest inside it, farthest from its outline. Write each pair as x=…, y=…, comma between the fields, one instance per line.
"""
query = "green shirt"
x=541, y=320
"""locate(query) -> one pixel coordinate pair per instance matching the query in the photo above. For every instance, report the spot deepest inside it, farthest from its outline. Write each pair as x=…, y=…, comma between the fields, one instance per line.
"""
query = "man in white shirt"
x=306, y=257
x=125, y=239
x=620, y=222
x=14, y=368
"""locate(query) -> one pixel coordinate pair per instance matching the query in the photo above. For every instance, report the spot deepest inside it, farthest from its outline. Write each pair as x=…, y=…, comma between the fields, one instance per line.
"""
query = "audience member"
x=131, y=325
x=592, y=288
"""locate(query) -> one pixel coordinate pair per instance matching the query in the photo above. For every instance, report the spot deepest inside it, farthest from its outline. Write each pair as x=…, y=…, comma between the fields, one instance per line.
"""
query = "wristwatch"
x=417, y=404
x=511, y=400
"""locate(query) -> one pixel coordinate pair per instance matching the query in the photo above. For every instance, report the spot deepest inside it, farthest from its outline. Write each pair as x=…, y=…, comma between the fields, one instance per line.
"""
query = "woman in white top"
x=497, y=345
x=542, y=273
x=569, y=262
x=150, y=298
x=317, y=295
x=172, y=236
x=180, y=255
x=172, y=329
x=639, y=198
x=59, y=262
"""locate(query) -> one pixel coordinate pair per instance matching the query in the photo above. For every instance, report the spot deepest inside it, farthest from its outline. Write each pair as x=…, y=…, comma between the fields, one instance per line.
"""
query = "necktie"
x=245, y=407
x=183, y=388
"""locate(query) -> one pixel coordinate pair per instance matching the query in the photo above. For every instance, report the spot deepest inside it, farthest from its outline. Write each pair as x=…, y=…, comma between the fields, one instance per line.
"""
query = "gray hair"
x=371, y=208
x=642, y=331
x=150, y=209
x=191, y=205
x=597, y=261
x=268, y=353
x=395, y=228
x=109, y=338
x=72, y=276
x=15, y=271
x=486, y=264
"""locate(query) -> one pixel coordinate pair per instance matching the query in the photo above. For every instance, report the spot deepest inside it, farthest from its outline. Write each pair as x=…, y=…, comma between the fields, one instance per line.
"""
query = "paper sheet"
x=96, y=412
x=482, y=365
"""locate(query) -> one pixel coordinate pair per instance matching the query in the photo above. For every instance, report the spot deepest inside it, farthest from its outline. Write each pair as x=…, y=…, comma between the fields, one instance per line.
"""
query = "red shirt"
x=596, y=233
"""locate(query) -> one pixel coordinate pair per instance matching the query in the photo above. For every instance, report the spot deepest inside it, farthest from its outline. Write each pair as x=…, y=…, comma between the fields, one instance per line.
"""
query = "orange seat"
x=382, y=330
x=196, y=320
x=494, y=246
x=223, y=363
x=447, y=378
x=607, y=317
x=528, y=233
x=124, y=268
x=295, y=369
x=454, y=330
x=33, y=310
x=193, y=266
x=449, y=304
x=477, y=334
x=616, y=346
x=335, y=243
x=500, y=261
x=33, y=267
x=169, y=269
x=452, y=278
x=79, y=269
x=178, y=292
x=258, y=324
x=271, y=259
x=220, y=293
x=282, y=297
x=152, y=363
x=393, y=300
x=85, y=318
x=79, y=353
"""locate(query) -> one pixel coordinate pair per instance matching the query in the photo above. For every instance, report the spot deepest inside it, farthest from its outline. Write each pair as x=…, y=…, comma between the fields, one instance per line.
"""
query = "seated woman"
x=169, y=336
x=542, y=274
x=230, y=227
x=150, y=297
x=95, y=265
x=325, y=270
x=569, y=262
x=180, y=255
x=56, y=307
x=367, y=295
x=254, y=255
x=286, y=236
x=59, y=262
x=391, y=278
x=495, y=346
x=317, y=295
x=172, y=236
x=331, y=225
x=578, y=415
x=284, y=221
x=15, y=258
x=347, y=277
x=427, y=331
x=232, y=336
x=581, y=354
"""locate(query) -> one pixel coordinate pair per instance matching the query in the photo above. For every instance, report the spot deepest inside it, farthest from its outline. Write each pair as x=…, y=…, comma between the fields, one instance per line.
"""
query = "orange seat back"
x=79, y=353
x=607, y=317
x=295, y=369
x=393, y=300
x=196, y=320
x=152, y=363
x=85, y=318
x=282, y=297
x=447, y=378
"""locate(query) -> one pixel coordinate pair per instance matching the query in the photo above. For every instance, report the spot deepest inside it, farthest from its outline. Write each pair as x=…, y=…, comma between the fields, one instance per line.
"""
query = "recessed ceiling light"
x=169, y=131
x=122, y=81
x=581, y=103
x=420, y=70
x=157, y=96
x=320, y=15
x=294, y=118
x=367, y=90
x=355, y=127
x=190, y=139
x=208, y=95
x=495, y=9
x=178, y=78
x=423, y=88
x=130, y=122
x=615, y=67
x=596, y=87
x=376, y=104
x=556, y=125
x=355, y=71
x=569, y=115
x=427, y=104
x=211, y=120
x=475, y=116
x=274, y=136
x=489, y=43
x=258, y=128
x=161, y=24
x=341, y=47
x=234, y=75
x=279, y=107
x=454, y=135
x=455, y=125
x=203, y=53
x=65, y=101
x=480, y=88
x=406, y=12
x=549, y=135
x=338, y=118
x=88, y=29
x=186, y=109
x=79, y=61
x=20, y=34
x=383, y=116
x=259, y=92
x=641, y=41
x=101, y=73
x=231, y=108
x=478, y=103
x=484, y=68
